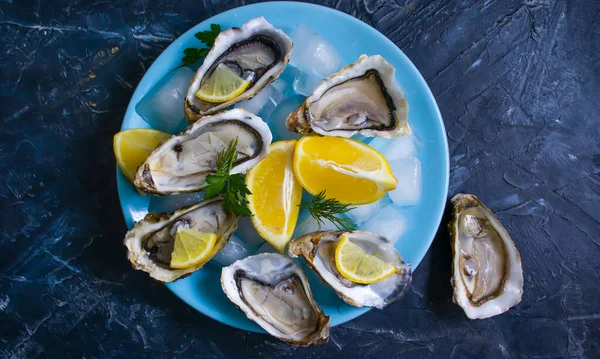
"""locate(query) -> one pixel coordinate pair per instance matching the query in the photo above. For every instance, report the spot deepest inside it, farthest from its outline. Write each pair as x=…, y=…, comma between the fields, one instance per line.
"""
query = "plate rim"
x=363, y=27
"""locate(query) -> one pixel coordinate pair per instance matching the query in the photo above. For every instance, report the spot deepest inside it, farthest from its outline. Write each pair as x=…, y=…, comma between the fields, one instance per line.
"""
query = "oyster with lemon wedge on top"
x=169, y=247
x=240, y=64
x=363, y=268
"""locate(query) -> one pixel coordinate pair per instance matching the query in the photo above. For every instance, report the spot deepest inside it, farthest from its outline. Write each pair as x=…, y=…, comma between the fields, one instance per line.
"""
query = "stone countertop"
x=517, y=84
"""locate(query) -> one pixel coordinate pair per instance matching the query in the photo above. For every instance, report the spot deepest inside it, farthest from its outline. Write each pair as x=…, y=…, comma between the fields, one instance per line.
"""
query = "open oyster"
x=273, y=291
x=257, y=52
x=363, y=97
x=181, y=163
x=150, y=242
x=318, y=249
x=487, y=273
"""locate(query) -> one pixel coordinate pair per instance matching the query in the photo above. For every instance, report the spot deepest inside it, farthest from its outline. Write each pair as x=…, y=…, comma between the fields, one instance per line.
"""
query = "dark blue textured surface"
x=516, y=81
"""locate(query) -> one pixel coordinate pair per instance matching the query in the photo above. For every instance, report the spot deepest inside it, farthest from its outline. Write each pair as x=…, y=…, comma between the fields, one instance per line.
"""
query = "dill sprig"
x=327, y=209
x=232, y=186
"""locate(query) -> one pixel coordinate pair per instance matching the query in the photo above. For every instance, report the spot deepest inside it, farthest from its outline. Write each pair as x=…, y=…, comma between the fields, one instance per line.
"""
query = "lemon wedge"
x=346, y=169
x=221, y=86
x=191, y=247
x=275, y=195
x=133, y=146
x=359, y=267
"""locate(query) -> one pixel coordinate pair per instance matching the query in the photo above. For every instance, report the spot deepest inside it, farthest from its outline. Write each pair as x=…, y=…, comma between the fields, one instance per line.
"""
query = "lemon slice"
x=348, y=170
x=221, y=86
x=275, y=195
x=133, y=146
x=192, y=247
x=359, y=267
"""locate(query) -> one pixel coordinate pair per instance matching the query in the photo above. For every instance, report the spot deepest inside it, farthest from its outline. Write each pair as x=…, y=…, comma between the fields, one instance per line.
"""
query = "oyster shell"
x=150, y=242
x=363, y=97
x=487, y=273
x=181, y=163
x=318, y=250
x=273, y=291
x=257, y=52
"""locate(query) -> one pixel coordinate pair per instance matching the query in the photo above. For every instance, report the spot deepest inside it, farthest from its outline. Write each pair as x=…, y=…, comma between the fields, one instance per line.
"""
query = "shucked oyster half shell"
x=318, y=250
x=363, y=98
x=182, y=163
x=487, y=272
x=257, y=52
x=273, y=291
x=150, y=242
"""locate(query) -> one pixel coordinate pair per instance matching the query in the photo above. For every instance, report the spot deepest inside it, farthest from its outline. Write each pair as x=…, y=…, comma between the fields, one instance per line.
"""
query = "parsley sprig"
x=192, y=54
x=232, y=186
x=208, y=37
x=327, y=209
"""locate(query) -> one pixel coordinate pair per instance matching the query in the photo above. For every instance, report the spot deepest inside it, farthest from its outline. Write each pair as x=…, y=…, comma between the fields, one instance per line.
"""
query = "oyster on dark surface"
x=487, y=272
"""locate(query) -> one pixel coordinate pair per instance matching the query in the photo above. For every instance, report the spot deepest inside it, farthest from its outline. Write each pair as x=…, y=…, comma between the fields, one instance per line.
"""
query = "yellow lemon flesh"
x=275, y=195
x=221, y=86
x=191, y=247
x=133, y=146
x=346, y=169
x=359, y=267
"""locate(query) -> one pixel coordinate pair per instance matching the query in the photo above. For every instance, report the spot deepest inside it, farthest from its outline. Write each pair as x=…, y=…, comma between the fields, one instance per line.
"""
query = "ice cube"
x=379, y=143
x=363, y=212
x=266, y=248
x=248, y=233
x=400, y=147
x=277, y=120
x=163, y=105
x=234, y=250
x=280, y=84
x=361, y=138
x=389, y=222
x=169, y=203
x=308, y=225
x=312, y=53
x=408, y=173
x=263, y=103
x=305, y=83
x=285, y=82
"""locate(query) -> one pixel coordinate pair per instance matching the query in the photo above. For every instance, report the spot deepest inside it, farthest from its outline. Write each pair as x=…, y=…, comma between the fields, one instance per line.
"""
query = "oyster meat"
x=181, y=163
x=150, y=242
x=363, y=98
x=318, y=250
x=273, y=291
x=257, y=52
x=487, y=273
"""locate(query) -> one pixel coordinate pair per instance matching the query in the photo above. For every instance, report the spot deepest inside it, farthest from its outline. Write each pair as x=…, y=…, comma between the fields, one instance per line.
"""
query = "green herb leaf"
x=233, y=205
x=237, y=181
x=327, y=209
x=232, y=186
x=208, y=37
x=192, y=54
x=216, y=185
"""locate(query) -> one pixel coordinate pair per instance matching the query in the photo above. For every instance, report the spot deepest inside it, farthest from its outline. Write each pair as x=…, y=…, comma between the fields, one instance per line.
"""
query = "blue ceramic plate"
x=202, y=290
